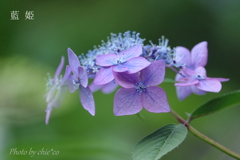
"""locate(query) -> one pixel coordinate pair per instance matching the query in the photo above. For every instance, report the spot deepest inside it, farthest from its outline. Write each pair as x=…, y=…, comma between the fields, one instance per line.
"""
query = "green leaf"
x=217, y=104
x=169, y=80
x=159, y=143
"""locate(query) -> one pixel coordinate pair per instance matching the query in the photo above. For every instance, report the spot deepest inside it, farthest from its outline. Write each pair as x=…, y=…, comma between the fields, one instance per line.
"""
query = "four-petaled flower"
x=125, y=61
x=197, y=57
x=140, y=91
x=192, y=77
x=79, y=80
x=196, y=81
x=57, y=88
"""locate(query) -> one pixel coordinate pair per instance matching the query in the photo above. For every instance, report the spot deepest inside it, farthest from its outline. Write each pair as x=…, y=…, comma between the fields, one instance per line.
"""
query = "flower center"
x=53, y=82
x=199, y=77
x=119, y=61
x=141, y=87
x=76, y=83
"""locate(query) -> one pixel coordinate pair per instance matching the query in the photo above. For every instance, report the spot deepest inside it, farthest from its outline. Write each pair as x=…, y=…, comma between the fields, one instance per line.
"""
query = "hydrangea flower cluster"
x=125, y=61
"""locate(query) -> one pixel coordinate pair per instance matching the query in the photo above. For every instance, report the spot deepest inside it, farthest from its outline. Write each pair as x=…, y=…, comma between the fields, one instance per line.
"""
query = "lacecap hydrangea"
x=125, y=61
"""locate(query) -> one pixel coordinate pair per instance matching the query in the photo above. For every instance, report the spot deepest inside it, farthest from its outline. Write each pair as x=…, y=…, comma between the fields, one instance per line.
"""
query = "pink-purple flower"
x=197, y=57
x=125, y=61
x=192, y=77
x=79, y=80
x=196, y=81
x=140, y=91
x=57, y=88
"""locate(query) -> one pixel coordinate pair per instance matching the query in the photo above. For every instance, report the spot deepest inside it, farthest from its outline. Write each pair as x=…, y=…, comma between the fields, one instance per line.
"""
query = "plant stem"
x=203, y=137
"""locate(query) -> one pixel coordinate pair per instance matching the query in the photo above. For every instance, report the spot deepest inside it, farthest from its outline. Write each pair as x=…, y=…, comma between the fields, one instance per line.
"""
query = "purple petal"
x=136, y=64
x=71, y=86
x=87, y=100
x=66, y=75
x=183, y=56
x=52, y=101
x=106, y=59
x=178, y=76
x=197, y=91
x=48, y=113
x=154, y=74
x=200, y=71
x=210, y=85
x=104, y=76
x=73, y=61
x=182, y=92
x=51, y=104
x=51, y=93
x=119, y=68
x=59, y=69
x=188, y=81
x=134, y=51
x=219, y=79
x=58, y=99
x=154, y=99
x=199, y=54
x=188, y=71
x=109, y=87
x=95, y=88
x=126, y=80
x=55, y=101
x=127, y=102
x=83, y=77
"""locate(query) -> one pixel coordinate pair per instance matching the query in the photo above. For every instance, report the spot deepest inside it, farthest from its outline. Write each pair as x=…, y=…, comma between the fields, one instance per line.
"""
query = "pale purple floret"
x=192, y=77
x=126, y=61
x=79, y=80
x=141, y=91
x=197, y=57
x=196, y=81
x=57, y=88
x=106, y=88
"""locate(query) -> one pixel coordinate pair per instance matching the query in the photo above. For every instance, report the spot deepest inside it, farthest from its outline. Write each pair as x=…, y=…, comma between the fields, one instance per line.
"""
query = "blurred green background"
x=31, y=49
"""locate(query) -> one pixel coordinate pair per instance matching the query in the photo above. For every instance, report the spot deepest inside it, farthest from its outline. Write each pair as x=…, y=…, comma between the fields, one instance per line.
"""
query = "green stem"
x=203, y=137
